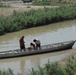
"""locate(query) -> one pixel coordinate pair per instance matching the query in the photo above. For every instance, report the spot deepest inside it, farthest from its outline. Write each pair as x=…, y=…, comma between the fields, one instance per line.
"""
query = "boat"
x=44, y=49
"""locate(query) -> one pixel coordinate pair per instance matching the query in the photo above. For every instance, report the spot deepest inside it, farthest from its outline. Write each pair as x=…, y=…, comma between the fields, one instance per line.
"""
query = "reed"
x=41, y=3
x=6, y=72
x=53, y=2
x=3, y=5
x=32, y=18
x=71, y=66
x=54, y=68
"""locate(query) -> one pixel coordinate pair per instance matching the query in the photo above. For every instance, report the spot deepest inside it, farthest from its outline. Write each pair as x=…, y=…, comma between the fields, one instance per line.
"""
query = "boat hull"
x=44, y=49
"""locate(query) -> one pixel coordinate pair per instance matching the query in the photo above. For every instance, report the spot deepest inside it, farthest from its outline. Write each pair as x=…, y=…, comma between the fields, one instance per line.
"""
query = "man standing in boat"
x=22, y=43
x=37, y=43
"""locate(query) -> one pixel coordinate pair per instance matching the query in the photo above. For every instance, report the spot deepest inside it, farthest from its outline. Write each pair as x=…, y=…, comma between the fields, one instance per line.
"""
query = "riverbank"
x=57, y=68
x=8, y=11
x=54, y=33
x=19, y=6
x=33, y=18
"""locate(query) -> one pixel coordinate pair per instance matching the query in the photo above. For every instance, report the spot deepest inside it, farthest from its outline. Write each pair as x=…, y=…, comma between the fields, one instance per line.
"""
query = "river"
x=52, y=33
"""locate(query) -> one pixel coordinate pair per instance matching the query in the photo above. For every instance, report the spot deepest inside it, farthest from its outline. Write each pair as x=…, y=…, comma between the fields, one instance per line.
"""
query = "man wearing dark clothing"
x=22, y=45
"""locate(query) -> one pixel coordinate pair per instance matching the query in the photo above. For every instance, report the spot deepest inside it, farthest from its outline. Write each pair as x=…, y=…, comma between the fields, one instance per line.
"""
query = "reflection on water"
x=52, y=58
x=14, y=65
x=52, y=33
x=25, y=64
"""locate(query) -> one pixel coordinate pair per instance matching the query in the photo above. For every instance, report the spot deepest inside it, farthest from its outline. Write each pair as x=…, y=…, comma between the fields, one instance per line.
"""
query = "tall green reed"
x=32, y=18
x=55, y=68
x=50, y=68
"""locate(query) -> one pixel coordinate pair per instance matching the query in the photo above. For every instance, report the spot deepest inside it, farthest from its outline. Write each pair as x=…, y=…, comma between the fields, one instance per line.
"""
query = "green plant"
x=6, y=72
x=71, y=66
x=1, y=30
x=32, y=18
x=28, y=6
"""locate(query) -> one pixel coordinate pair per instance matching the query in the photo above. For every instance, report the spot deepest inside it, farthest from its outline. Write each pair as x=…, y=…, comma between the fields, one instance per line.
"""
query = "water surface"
x=52, y=33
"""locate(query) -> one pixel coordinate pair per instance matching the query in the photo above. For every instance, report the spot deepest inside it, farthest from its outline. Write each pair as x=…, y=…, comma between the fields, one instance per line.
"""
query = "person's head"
x=34, y=40
x=31, y=43
x=22, y=37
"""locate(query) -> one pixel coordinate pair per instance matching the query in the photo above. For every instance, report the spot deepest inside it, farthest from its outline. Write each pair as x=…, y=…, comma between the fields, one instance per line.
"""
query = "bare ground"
x=19, y=6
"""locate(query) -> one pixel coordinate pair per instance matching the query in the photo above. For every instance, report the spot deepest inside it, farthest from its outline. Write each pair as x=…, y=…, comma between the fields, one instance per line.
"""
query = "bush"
x=1, y=30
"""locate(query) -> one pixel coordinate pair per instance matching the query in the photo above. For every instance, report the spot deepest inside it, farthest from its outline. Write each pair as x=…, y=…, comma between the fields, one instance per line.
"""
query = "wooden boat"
x=44, y=49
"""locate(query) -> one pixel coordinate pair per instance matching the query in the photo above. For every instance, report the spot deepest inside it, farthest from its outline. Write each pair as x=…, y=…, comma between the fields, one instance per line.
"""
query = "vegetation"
x=55, y=68
x=6, y=72
x=40, y=3
x=23, y=20
x=3, y=5
x=53, y=2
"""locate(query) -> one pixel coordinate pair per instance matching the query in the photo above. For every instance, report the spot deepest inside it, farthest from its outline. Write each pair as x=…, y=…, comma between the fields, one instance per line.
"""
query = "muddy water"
x=53, y=33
